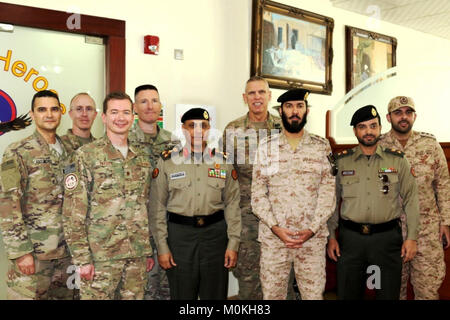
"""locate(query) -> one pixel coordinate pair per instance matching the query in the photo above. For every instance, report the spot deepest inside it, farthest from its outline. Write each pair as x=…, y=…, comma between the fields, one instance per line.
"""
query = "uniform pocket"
x=349, y=187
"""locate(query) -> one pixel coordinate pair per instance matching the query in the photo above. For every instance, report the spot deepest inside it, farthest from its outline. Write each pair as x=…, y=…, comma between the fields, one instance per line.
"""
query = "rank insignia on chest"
x=217, y=173
x=387, y=170
x=348, y=173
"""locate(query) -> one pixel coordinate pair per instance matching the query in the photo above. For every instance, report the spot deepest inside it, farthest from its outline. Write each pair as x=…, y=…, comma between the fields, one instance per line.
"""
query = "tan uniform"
x=294, y=190
x=427, y=269
x=73, y=142
x=30, y=218
x=105, y=217
x=241, y=145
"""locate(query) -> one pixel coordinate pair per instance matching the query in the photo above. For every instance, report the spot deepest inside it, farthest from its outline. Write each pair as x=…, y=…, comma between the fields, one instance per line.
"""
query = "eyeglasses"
x=385, y=180
x=87, y=109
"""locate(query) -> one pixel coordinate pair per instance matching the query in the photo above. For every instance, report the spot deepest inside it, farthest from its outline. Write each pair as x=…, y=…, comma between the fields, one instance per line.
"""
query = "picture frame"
x=367, y=53
x=291, y=47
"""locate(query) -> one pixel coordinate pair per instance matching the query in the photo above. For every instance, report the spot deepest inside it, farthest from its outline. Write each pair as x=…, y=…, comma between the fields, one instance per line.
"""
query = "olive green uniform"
x=190, y=189
x=359, y=185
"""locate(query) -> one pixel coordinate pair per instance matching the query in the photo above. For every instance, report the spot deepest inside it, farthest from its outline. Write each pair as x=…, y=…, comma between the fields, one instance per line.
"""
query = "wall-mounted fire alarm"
x=151, y=44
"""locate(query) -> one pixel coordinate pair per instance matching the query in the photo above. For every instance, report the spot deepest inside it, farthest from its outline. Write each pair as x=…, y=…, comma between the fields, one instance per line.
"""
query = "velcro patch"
x=69, y=169
x=7, y=165
x=71, y=181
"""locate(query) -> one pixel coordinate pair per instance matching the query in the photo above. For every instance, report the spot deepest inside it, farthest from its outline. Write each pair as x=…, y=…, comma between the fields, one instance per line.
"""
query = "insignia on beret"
x=306, y=96
x=205, y=115
x=155, y=173
x=71, y=181
x=195, y=114
x=293, y=95
x=374, y=112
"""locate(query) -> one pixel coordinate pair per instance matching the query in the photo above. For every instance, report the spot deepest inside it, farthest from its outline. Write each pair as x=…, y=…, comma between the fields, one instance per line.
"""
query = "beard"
x=366, y=143
x=294, y=127
x=399, y=129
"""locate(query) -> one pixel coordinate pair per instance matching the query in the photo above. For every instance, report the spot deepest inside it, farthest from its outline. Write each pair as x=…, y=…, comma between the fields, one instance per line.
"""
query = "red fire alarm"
x=151, y=44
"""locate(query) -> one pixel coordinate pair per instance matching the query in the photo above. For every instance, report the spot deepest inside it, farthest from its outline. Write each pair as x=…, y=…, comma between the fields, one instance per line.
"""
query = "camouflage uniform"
x=247, y=268
x=157, y=285
x=72, y=142
x=427, y=269
x=105, y=218
x=294, y=190
x=30, y=219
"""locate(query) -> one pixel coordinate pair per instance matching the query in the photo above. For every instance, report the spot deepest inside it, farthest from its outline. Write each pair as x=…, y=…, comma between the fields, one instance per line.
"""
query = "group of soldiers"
x=137, y=214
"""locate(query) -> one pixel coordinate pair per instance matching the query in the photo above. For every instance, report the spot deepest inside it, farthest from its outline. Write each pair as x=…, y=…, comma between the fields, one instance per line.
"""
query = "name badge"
x=348, y=173
x=42, y=160
x=178, y=175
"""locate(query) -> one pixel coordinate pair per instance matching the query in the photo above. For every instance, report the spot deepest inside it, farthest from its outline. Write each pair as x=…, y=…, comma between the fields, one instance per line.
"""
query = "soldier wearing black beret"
x=195, y=215
x=369, y=181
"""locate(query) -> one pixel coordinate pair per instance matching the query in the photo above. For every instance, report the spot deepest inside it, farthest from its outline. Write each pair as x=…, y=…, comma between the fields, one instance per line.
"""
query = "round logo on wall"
x=8, y=110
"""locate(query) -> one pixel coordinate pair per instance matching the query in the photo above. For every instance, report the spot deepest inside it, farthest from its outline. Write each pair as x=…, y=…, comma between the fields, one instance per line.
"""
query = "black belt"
x=367, y=228
x=196, y=221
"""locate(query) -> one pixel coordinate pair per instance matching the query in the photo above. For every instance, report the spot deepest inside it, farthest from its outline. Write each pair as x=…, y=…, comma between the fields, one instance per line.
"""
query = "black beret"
x=294, y=95
x=365, y=113
x=195, y=114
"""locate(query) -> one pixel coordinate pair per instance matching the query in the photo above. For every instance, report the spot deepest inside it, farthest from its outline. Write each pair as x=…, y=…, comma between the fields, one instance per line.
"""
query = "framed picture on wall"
x=367, y=53
x=291, y=47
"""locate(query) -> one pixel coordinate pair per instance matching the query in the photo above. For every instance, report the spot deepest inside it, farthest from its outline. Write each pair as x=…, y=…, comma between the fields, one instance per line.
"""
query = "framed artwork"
x=291, y=47
x=367, y=53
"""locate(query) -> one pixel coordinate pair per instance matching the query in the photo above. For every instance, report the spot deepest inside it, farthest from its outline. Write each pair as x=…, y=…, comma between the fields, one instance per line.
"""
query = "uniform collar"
x=358, y=152
x=73, y=136
x=393, y=140
x=270, y=121
x=44, y=144
x=305, y=139
x=112, y=152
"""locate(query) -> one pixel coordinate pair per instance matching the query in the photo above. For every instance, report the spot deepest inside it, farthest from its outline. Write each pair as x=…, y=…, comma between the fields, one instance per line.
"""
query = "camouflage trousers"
x=427, y=270
x=157, y=283
x=116, y=280
x=49, y=282
x=309, y=267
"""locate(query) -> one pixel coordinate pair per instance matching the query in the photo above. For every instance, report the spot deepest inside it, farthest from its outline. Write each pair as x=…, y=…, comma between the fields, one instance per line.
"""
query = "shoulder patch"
x=9, y=175
x=166, y=154
x=69, y=169
x=396, y=152
x=343, y=154
x=426, y=134
x=316, y=137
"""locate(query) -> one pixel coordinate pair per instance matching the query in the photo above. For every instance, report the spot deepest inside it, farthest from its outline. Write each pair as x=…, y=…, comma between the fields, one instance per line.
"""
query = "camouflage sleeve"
x=159, y=194
x=441, y=185
x=13, y=179
x=333, y=221
x=261, y=205
x=326, y=201
x=232, y=210
x=76, y=210
x=408, y=192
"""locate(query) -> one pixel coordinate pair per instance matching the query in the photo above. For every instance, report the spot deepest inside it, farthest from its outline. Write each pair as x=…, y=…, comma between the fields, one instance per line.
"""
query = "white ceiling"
x=429, y=16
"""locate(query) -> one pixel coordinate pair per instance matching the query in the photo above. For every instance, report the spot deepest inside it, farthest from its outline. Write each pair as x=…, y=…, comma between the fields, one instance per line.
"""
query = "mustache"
x=369, y=135
x=294, y=117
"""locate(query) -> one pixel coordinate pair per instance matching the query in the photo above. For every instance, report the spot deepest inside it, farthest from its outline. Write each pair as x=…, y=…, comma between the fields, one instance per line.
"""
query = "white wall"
x=216, y=37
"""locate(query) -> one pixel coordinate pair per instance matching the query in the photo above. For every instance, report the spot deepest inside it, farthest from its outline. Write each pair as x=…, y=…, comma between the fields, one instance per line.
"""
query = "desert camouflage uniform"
x=157, y=286
x=427, y=269
x=72, y=142
x=294, y=190
x=105, y=218
x=247, y=268
x=30, y=219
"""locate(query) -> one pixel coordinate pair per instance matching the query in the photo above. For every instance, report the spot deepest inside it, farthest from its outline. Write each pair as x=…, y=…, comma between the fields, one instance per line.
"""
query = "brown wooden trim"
x=113, y=31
